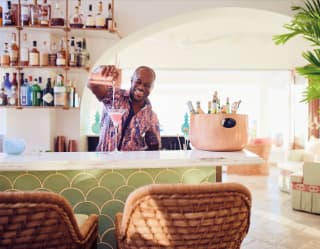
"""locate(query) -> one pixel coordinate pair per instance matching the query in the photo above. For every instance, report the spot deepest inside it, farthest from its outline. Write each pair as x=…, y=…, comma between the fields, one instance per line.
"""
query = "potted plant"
x=306, y=23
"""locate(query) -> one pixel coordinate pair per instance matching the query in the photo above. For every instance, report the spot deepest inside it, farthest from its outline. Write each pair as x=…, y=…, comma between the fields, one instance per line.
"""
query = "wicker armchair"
x=43, y=220
x=206, y=216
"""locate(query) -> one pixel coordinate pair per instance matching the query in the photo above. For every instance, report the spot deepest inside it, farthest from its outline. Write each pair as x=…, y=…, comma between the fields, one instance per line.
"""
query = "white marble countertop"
x=123, y=160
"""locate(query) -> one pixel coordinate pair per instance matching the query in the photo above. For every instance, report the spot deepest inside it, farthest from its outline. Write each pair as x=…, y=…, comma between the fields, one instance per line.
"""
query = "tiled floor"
x=274, y=225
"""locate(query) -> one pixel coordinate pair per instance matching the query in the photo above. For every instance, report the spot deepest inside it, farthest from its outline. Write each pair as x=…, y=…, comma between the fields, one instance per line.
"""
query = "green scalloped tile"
x=167, y=176
x=105, y=223
x=153, y=172
x=112, y=181
x=56, y=182
x=125, y=172
x=212, y=176
x=112, y=207
x=12, y=175
x=84, y=181
x=86, y=208
x=110, y=237
x=99, y=195
x=5, y=183
x=194, y=176
x=74, y=196
x=98, y=173
x=41, y=174
x=27, y=183
x=70, y=173
x=105, y=246
x=123, y=192
x=139, y=178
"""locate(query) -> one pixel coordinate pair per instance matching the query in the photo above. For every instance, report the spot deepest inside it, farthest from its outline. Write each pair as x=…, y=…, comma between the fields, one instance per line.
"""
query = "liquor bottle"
x=1, y=16
x=71, y=95
x=53, y=54
x=36, y=93
x=61, y=55
x=35, y=12
x=90, y=21
x=25, y=94
x=109, y=18
x=76, y=20
x=190, y=107
x=209, y=107
x=85, y=54
x=47, y=94
x=78, y=53
x=5, y=56
x=14, y=81
x=44, y=13
x=72, y=54
x=59, y=92
x=13, y=98
x=7, y=85
x=227, y=106
x=100, y=18
x=3, y=97
x=25, y=13
x=44, y=55
x=24, y=52
x=14, y=51
x=59, y=19
x=198, y=108
x=34, y=55
x=8, y=19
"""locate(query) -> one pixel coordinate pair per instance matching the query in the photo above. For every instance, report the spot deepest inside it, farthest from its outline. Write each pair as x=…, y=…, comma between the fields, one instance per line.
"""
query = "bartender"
x=139, y=126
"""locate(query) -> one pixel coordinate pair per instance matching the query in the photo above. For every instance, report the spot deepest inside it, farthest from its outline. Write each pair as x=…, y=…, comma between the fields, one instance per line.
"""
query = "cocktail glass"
x=116, y=117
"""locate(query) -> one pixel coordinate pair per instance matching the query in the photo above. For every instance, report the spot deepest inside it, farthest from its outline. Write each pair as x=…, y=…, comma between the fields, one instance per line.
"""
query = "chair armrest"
x=311, y=173
x=90, y=224
x=119, y=235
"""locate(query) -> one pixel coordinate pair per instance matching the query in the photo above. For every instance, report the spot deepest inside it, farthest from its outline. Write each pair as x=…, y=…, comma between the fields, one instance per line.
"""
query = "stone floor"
x=274, y=225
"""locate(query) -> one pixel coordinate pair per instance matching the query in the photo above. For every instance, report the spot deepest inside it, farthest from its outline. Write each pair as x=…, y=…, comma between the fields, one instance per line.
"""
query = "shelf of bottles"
x=69, y=53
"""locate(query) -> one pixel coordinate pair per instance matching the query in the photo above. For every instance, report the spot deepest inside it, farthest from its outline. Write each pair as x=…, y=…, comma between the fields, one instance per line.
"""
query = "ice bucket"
x=218, y=132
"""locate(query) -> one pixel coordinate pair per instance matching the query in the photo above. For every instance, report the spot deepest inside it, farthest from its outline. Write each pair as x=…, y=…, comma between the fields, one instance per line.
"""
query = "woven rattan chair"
x=206, y=216
x=43, y=220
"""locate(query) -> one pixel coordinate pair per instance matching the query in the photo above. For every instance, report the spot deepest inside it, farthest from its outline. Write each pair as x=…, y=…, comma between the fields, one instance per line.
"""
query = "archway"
x=219, y=38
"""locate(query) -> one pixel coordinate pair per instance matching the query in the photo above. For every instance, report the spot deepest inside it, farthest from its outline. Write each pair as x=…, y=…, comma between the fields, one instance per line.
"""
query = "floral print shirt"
x=142, y=131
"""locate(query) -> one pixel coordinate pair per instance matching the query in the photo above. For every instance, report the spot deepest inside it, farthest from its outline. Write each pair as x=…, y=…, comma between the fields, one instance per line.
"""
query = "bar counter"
x=99, y=182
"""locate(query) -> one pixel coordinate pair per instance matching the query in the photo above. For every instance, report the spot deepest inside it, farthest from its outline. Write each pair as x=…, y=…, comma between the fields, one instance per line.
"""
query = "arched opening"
x=203, y=46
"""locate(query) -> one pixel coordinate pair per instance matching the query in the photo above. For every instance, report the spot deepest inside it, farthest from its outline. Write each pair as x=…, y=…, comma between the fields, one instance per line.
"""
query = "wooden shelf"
x=45, y=67
x=39, y=107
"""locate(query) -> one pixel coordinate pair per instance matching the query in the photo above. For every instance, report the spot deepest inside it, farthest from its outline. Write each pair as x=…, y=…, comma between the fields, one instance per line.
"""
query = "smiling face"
x=142, y=83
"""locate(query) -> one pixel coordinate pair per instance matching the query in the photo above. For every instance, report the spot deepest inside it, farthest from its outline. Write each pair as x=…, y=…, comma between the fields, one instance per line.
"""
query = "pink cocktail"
x=116, y=117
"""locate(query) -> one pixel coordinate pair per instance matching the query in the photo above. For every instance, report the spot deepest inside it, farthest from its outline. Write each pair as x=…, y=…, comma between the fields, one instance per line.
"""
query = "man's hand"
x=102, y=79
x=104, y=75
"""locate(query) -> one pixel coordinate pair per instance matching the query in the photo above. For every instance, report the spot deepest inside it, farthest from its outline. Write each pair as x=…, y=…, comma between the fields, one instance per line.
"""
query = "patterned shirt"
x=142, y=131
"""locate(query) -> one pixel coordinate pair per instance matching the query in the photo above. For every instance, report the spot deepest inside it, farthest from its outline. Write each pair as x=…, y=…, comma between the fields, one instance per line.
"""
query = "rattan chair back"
x=42, y=220
x=205, y=216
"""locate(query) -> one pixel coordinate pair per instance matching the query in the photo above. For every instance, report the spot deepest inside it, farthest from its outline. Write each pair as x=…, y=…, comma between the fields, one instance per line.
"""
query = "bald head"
x=142, y=82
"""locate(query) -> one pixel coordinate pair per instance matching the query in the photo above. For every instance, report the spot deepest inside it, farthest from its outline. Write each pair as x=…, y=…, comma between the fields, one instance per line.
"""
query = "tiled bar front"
x=100, y=182
x=102, y=192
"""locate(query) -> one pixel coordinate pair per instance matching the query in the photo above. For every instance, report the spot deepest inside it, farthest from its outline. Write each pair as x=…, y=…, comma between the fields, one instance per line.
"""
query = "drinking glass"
x=116, y=117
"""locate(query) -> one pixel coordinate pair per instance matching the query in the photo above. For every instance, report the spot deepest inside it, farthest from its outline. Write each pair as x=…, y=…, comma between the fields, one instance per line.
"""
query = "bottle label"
x=12, y=101
x=34, y=59
x=5, y=60
x=13, y=56
x=48, y=98
x=24, y=54
x=61, y=61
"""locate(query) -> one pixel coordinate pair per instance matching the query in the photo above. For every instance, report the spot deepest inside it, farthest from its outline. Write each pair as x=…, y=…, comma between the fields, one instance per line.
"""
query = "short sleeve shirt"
x=142, y=131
